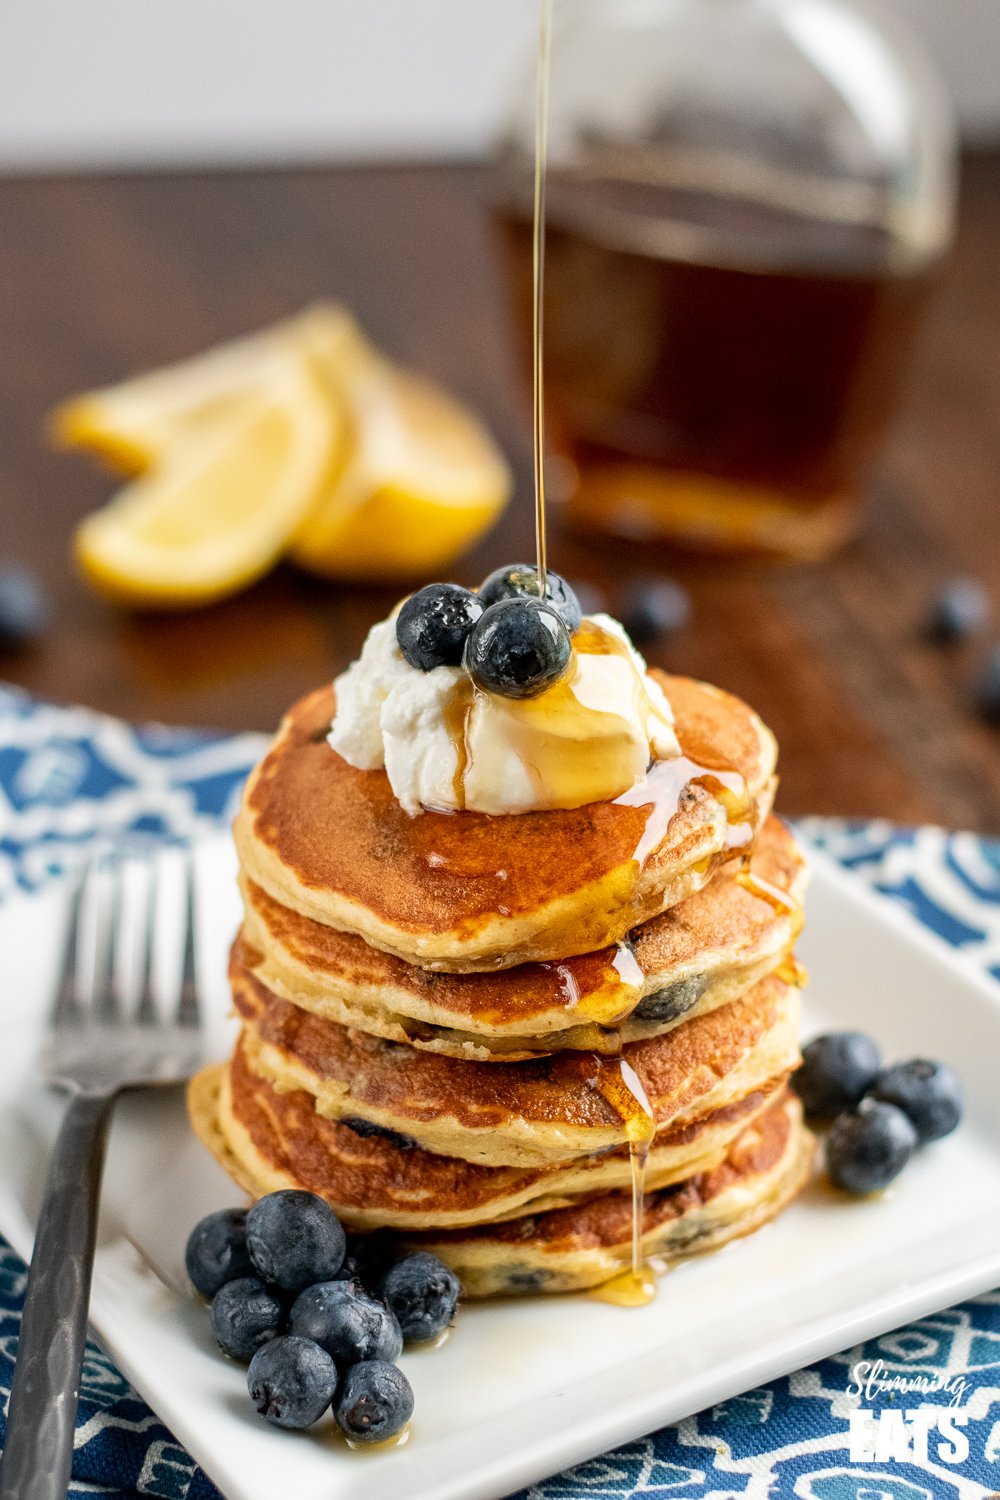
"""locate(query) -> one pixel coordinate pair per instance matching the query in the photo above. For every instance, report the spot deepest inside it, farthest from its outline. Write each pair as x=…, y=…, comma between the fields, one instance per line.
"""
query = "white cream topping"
x=446, y=745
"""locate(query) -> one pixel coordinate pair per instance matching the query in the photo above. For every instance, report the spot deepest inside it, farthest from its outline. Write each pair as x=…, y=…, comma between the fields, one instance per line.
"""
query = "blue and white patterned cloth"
x=71, y=780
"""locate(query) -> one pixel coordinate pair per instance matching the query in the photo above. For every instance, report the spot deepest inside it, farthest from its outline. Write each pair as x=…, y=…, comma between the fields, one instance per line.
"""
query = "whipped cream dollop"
x=447, y=745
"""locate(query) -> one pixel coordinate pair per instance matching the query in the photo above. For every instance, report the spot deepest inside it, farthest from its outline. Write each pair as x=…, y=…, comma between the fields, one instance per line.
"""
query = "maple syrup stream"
x=615, y=1079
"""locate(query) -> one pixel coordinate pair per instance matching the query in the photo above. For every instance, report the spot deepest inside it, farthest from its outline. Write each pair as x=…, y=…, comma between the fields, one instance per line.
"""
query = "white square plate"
x=522, y=1389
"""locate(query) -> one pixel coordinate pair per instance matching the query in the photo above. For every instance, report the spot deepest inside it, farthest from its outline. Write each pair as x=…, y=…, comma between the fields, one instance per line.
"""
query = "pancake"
x=702, y=953
x=541, y=1113
x=269, y=1140
x=573, y=1248
x=465, y=891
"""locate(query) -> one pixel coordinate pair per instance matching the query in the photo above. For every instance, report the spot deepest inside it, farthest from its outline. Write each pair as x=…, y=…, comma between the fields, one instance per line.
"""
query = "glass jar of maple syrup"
x=747, y=201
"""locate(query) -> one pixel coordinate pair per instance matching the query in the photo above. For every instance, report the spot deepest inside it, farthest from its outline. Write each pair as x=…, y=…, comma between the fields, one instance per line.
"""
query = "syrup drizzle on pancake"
x=556, y=735
x=619, y=1083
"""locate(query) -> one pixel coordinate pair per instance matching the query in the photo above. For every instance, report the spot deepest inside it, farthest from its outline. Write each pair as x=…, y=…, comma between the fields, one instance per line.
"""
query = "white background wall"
x=136, y=82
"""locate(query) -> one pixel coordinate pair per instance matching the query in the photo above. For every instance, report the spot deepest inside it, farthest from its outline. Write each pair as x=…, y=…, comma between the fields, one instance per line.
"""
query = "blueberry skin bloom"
x=295, y=1239
x=423, y=1293
x=292, y=1382
x=245, y=1315
x=375, y=1401
x=349, y=1324
x=520, y=581
x=518, y=648
x=836, y=1070
x=868, y=1147
x=433, y=624
x=928, y=1093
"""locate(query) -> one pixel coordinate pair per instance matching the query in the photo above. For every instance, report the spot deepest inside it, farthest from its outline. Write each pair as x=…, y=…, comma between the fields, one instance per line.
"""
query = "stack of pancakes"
x=460, y=1027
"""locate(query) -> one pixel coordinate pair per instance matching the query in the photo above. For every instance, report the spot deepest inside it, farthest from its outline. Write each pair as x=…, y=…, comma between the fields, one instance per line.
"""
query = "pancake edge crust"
x=408, y=1178
x=569, y=1250
x=386, y=997
x=689, y=1074
x=595, y=914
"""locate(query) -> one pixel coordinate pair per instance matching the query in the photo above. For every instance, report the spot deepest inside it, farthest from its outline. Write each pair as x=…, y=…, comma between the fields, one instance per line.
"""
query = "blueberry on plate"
x=347, y=1322
x=292, y=1382
x=869, y=1146
x=520, y=581
x=432, y=626
x=836, y=1070
x=368, y=1258
x=928, y=1093
x=245, y=1315
x=423, y=1293
x=24, y=610
x=518, y=648
x=294, y=1239
x=961, y=610
x=217, y=1251
x=375, y=1401
x=655, y=607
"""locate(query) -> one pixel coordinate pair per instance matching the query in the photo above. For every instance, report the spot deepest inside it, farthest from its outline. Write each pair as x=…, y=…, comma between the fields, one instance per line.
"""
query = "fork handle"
x=41, y=1417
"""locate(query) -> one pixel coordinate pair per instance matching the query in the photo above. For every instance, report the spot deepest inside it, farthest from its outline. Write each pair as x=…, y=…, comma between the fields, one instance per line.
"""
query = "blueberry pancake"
x=571, y=1249
x=467, y=891
x=269, y=1138
x=541, y=1113
x=517, y=1237
x=702, y=953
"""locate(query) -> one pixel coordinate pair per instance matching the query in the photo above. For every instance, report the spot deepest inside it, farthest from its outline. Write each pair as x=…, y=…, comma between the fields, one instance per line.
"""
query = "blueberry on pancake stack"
x=516, y=975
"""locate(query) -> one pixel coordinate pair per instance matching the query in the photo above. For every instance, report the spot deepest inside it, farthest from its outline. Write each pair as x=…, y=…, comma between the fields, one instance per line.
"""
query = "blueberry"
x=295, y=1239
x=432, y=626
x=928, y=1093
x=24, y=610
x=836, y=1070
x=961, y=610
x=217, y=1250
x=423, y=1293
x=520, y=581
x=245, y=1314
x=655, y=607
x=518, y=648
x=987, y=691
x=375, y=1401
x=869, y=1146
x=368, y=1258
x=292, y=1382
x=344, y=1320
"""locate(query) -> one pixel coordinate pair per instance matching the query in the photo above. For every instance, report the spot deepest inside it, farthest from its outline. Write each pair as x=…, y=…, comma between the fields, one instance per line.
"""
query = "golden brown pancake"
x=269, y=1140
x=702, y=953
x=570, y=1249
x=540, y=1113
x=465, y=891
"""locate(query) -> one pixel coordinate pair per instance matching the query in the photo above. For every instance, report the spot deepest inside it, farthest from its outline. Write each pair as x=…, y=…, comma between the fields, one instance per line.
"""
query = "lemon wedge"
x=136, y=423
x=408, y=480
x=227, y=497
x=421, y=481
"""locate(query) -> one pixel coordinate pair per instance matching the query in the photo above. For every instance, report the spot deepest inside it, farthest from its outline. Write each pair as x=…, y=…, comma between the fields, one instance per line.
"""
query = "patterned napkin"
x=71, y=781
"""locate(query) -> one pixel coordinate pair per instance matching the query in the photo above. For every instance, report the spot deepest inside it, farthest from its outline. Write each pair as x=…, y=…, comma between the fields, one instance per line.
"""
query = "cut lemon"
x=227, y=499
x=135, y=424
x=421, y=481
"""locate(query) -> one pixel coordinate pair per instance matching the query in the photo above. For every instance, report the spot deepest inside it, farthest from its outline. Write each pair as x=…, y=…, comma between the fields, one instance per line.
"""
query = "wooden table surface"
x=100, y=277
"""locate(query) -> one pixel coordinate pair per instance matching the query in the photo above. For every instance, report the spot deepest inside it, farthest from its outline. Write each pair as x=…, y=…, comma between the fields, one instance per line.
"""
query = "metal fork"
x=97, y=1046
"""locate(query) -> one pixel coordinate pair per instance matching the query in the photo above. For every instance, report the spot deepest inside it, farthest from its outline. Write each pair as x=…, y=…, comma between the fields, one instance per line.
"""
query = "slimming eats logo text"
x=912, y=1432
